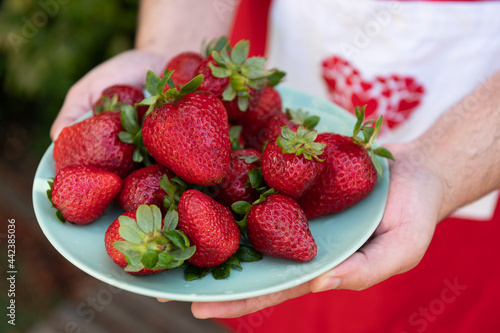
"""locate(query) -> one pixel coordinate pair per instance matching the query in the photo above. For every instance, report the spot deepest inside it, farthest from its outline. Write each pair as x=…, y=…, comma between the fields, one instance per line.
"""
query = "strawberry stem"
x=370, y=132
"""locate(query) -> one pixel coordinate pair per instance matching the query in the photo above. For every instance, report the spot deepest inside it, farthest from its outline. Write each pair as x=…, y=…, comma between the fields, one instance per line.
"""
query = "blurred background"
x=46, y=46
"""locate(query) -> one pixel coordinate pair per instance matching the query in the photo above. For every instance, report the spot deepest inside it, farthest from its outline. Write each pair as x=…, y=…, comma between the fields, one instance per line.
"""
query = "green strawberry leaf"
x=130, y=234
x=137, y=156
x=383, y=152
x=192, y=85
x=178, y=238
x=164, y=260
x=128, y=117
x=367, y=133
x=134, y=268
x=122, y=246
x=131, y=223
x=249, y=159
x=171, y=220
x=126, y=137
x=311, y=122
x=166, y=185
x=218, y=58
x=218, y=71
x=183, y=254
x=59, y=214
x=150, y=259
x=240, y=52
x=157, y=217
x=133, y=257
x=178, y=180
x=229, y=93
x=144, y=218
x=222, y=271
x=265, y=195
x=151, y=100
x=254, y=62
x=193, y=272
x=216, y=45
x=234, y=262
x=275, y=77
x=151, y=84
x=378, y=165
x=243, y=103
x=247, y=253
x=256, y=179
x=234, y=135
x=241, y=207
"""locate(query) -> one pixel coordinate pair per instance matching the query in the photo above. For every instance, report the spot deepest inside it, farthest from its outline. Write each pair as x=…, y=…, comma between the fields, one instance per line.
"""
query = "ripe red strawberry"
x=292, y=163
x=278, y=227
x=189, y=135
x=210, y=226
x=95, y=142
x=141, y=243
x=236, y=186
x=254, y=120
x=349, y=174
x=114, y=96
x=142, y=187
x=82, y=193
x=184, y=67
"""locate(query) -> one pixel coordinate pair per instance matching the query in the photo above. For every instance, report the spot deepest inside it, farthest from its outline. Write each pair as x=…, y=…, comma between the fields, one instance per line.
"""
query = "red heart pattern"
x=395, y=97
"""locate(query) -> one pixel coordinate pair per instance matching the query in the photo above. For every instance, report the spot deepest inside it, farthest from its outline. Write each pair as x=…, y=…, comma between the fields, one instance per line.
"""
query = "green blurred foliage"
x=45, y=47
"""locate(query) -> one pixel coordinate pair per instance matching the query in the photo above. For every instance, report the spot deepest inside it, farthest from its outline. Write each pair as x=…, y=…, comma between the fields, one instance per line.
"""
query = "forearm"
x=464, y=147
x=170, y=26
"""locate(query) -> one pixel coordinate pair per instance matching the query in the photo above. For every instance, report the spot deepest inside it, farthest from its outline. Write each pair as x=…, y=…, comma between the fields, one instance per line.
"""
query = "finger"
x=71, y=111
x=386, y=255
x=162, y=300
x=126, y=68
x=232, y=309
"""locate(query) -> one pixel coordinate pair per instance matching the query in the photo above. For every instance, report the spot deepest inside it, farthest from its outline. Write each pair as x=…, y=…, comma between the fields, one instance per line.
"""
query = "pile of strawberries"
x=206, y=165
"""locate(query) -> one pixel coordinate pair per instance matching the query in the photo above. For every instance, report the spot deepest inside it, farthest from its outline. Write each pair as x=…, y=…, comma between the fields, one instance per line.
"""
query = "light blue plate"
x=337, y=236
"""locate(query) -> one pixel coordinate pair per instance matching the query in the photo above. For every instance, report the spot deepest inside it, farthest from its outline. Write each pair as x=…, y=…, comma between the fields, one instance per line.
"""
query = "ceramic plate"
x=337, y=236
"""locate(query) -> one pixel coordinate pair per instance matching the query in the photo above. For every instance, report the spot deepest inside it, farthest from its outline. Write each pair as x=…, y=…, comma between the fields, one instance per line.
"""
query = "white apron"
x=408, y=61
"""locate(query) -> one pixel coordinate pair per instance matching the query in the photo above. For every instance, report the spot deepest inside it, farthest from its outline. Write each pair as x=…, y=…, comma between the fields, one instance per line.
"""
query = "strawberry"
x=141, y=243
x=187, y=131
x=292, y=119
x=291, y=164
x=350, y=173
x=82, y=193
x=95, y=142
x=184, y=67
x=114, y=96
x=254, y=120
x=142, y=187
x=230, y=74
x=210, y=226
x=278, y=227
x=236, y=186
x=213, y=84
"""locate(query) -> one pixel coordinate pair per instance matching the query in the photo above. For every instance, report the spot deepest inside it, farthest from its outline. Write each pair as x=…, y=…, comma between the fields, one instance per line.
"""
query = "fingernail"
x=328, y=284
x=162, y=300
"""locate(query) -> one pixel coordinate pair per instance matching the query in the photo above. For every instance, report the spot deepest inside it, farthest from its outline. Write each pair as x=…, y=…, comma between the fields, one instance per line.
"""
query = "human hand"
x=397, y=245
x=129, y=67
